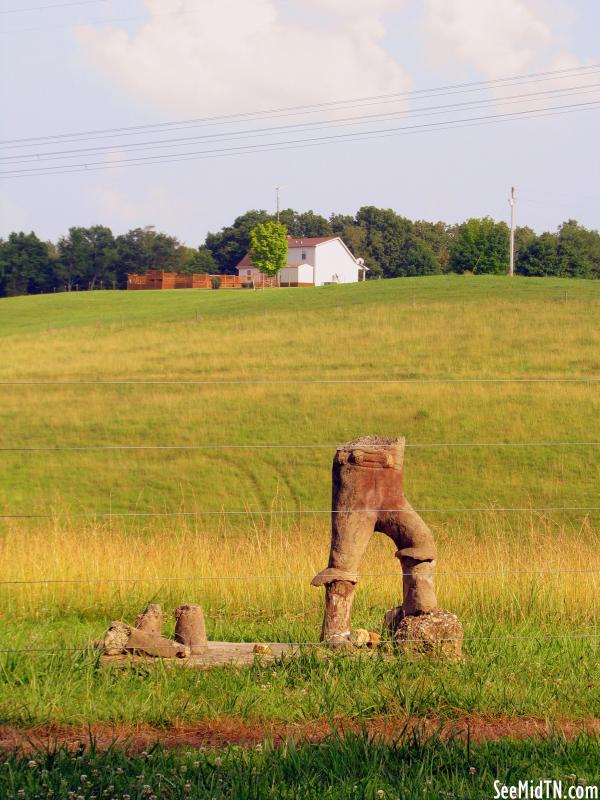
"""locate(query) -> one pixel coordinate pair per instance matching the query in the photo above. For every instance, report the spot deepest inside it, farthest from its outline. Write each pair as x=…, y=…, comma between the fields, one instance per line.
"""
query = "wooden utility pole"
x=512, y=201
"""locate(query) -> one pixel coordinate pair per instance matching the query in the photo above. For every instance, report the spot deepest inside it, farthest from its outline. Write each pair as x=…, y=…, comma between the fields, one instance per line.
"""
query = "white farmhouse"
x=311, y=261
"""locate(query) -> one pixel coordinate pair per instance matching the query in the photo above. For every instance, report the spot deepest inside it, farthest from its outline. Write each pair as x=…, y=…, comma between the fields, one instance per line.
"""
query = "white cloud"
x=496, y=37
x=122, y=209
x=221, y=56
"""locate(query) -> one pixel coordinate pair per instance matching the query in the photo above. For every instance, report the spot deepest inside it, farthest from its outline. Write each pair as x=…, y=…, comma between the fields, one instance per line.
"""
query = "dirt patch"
x=232, y=731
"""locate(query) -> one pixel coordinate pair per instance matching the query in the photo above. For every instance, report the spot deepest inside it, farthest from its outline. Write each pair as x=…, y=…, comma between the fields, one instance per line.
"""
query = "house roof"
x=306, y=241
x=309, y=241
x=245, y=262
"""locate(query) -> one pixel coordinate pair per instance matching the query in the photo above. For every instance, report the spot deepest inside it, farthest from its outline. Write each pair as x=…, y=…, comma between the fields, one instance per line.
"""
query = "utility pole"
x=277, y=190
x=512, y=201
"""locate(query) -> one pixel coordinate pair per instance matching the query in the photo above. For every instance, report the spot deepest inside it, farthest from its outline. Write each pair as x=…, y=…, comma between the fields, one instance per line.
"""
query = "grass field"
x=525, y=583
x=349, y=768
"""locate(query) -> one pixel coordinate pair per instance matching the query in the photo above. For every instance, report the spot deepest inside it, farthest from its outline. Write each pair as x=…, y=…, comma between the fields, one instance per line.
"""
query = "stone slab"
x=217, y=654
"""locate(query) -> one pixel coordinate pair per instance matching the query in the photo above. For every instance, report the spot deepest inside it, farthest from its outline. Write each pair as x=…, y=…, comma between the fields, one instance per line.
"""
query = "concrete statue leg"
x=368, y=496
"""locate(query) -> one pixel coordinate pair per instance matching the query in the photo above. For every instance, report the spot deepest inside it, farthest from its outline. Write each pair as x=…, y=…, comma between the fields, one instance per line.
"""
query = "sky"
x=300, y=72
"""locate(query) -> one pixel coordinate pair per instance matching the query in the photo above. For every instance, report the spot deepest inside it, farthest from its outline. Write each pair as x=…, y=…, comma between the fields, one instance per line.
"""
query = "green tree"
x=202, y=260
x=231, y=244
x=538, y=256
x=341, y=222
x=88, y=258
x=480, y=246
x=133, y=251
x=26, y=265
x=306, y=223
x=524, y=236
x=578, y=251
x=269, y=247
x=389, y=250
x=141, y=249
x=418, y=258
x=572, y=252
x=439, y=237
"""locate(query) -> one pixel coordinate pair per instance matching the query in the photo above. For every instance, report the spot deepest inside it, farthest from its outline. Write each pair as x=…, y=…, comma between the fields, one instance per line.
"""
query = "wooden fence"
x=157, y=279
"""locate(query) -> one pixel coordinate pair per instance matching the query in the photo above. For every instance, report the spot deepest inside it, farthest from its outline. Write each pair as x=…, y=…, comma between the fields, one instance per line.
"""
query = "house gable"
x=327, y=257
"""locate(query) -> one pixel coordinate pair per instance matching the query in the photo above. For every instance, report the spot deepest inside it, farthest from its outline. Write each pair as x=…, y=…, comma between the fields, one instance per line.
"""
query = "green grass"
x=430, y=329
x=536, y=676
x=458, y=328
x=348, y=767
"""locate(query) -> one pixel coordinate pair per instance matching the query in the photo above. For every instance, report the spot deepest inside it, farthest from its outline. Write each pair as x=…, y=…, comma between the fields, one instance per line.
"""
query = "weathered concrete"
x=438, y=634
x=368, y=496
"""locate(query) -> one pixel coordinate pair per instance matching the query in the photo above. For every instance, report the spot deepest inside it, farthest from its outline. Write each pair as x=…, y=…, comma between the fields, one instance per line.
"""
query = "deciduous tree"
x=480, y=246
x=26, y=266
x=269, y=247
x=231, y=244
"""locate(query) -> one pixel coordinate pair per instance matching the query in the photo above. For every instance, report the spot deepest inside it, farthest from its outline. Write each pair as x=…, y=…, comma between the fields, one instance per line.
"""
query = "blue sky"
x=117, y=63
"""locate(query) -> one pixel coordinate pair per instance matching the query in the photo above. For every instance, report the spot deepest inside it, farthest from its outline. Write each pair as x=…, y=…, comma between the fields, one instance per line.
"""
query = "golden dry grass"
x=446, y=327
x=531, y=570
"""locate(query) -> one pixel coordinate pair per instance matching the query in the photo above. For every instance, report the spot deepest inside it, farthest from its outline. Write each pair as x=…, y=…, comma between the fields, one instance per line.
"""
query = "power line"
x=307, y=142
x=331, y=446
x=252, y=133
x=51, y=6
x=338, y=122
x=250, y=117
x=269, y=512
x=324, y=106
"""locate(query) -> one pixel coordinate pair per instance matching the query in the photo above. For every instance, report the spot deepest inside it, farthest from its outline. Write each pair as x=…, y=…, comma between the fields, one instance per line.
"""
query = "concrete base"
x=217, y=654
x=437, y=634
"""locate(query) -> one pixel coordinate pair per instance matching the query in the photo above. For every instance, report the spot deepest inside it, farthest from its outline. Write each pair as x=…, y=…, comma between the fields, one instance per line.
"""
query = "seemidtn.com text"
x=545, y=790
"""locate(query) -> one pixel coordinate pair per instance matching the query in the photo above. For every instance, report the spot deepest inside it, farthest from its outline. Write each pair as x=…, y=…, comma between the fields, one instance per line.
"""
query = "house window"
x=303, y=256
x=249, y=273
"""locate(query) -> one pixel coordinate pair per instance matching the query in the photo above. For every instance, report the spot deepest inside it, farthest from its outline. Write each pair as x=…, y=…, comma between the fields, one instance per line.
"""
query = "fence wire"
x=294, y=576
x=331, y=446
x=269, y=512
x=303, y=382
x=504, y=638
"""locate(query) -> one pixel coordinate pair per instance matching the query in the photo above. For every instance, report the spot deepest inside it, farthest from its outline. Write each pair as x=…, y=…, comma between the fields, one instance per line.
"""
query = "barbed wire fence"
x=114, y=447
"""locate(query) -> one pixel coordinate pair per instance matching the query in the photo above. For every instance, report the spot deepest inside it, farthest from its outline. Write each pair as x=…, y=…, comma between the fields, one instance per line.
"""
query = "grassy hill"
x=445, y=361
x=437, y=328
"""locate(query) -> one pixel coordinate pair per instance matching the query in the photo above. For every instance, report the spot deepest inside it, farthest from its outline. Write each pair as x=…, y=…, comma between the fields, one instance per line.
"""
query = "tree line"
x=391, y=245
